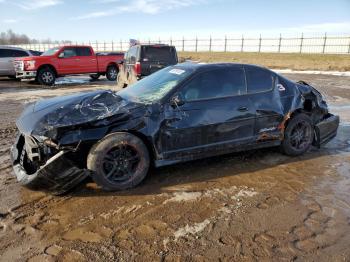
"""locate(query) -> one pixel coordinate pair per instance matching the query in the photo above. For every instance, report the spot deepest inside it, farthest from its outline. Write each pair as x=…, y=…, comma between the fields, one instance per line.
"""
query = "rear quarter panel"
x=105, y=60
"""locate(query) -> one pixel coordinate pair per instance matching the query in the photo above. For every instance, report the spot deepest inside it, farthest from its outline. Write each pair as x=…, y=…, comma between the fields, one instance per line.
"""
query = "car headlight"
x=29, y=65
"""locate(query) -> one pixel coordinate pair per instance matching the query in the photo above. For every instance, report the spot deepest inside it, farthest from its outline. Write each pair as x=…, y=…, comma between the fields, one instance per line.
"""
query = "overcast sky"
x=83, y=20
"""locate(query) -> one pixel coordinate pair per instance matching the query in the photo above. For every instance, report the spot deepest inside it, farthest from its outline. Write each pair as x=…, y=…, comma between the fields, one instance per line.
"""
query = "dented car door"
x=215, y=114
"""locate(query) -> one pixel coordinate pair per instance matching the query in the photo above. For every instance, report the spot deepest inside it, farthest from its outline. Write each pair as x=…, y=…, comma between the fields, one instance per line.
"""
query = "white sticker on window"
x=177, y=71
x=281, y=87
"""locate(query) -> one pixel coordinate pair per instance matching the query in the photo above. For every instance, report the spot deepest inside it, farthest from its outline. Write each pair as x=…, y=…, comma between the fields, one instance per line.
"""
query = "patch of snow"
x=312, y=72
x=191, y=230
x=183, y=196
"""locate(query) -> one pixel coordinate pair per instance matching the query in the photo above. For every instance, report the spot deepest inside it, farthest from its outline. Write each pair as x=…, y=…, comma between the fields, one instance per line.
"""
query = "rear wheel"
x=95, y=76
x=46, y=76
x=119, y=161
x=298, y=135
x=112, y=73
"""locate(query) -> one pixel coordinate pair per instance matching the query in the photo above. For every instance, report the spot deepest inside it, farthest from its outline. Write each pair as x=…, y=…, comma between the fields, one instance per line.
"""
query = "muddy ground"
x=257, y=205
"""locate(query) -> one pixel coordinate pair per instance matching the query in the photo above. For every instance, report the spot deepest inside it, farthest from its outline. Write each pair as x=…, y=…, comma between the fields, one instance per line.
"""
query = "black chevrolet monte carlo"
x=183, y=112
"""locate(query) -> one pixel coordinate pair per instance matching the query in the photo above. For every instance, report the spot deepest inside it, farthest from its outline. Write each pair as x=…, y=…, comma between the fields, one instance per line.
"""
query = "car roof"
x=12, y=47
x=204, y=66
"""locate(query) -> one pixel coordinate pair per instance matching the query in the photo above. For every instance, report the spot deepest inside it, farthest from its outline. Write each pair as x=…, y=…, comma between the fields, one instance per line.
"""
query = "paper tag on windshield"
x=176, y=71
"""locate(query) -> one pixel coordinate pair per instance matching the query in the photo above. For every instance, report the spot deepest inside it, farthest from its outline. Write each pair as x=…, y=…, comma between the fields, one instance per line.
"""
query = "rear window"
x=165, y=54
x=83, y=51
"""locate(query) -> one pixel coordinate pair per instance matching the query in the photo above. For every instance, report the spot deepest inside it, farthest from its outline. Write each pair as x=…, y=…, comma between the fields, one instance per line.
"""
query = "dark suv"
x=143, y=60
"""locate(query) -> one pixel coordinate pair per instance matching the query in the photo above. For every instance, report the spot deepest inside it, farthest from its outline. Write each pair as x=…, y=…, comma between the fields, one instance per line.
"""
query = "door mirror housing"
x=61, y=55
x=177, y=100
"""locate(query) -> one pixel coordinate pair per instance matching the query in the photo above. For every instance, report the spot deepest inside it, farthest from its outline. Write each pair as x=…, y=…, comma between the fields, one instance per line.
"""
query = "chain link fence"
x=325, y=44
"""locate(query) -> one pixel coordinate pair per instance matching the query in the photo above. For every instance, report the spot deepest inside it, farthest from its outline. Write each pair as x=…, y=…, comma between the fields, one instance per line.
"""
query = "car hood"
x=41, y=117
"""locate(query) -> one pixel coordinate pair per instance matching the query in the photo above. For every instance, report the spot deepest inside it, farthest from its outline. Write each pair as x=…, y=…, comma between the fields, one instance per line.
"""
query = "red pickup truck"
x=68, y=60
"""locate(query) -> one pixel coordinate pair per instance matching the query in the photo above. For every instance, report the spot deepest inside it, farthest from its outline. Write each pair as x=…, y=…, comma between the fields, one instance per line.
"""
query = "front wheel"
x=112, y=73
x=46, y=76
x=119, y=161
x=298, y=135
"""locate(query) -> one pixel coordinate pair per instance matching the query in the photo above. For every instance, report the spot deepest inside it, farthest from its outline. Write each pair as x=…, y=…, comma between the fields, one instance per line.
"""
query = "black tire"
x=95, y=76
x=112, y=73
x=298, y=135
x=119, y=161
x=12, y=77
x=46, y=76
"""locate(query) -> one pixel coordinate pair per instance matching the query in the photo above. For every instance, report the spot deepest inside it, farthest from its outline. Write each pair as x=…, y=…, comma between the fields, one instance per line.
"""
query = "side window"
x=258, y=79
x=19, y=53
x=6, y=53
x=2, y=53
x=133, y=54
x=216, y=83
x=69, y=52
x=83, y=51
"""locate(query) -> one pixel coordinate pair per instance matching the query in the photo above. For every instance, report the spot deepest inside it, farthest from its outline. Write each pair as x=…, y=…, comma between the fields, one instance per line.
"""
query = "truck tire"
x=46, y=76
x=95, y=76
x=112, y=72
x=298, y=135
x=119, y=161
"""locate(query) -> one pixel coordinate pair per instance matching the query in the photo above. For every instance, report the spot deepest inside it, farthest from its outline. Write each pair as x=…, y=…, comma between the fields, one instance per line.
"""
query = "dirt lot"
x=323, y=62
x=258, y=205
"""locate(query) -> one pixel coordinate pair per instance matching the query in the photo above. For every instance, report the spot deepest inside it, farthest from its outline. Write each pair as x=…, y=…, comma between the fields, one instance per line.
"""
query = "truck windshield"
x=155, y=86
x=50, y=51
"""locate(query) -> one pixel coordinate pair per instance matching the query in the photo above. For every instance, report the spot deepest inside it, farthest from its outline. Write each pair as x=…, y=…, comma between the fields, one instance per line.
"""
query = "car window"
x=69, y=52
x=83, y=51
x=3, y=52
x=133, y=54
x=12, y=53
x=258, y=79
x=19, y=53
x=165, y=54
x=216, y=83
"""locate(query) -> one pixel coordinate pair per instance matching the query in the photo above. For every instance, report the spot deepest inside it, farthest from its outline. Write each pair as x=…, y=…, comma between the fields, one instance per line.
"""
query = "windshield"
x=50, y=51
x=155, y=86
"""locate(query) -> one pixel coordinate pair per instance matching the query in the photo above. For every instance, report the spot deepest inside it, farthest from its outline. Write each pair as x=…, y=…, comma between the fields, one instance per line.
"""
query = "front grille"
x=19, y=65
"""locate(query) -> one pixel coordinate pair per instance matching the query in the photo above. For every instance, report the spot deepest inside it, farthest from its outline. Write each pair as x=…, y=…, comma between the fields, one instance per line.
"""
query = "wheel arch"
x=113, y=64
x=48, y=66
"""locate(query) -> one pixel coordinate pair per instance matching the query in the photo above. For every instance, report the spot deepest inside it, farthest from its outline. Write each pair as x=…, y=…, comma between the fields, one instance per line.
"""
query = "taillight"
x=137, y=68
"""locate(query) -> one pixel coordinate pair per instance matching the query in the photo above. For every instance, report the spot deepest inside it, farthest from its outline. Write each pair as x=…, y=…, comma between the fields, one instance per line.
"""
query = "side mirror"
x=61, y=55
x=177, y=101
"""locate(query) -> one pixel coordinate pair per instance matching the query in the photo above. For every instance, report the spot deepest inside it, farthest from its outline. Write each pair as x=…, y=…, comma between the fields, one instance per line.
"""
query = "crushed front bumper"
x=326, y=129
x=58, y=175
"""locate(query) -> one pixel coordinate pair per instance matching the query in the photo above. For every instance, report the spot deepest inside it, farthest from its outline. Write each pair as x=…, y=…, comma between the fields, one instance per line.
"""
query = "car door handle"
x=242, y=109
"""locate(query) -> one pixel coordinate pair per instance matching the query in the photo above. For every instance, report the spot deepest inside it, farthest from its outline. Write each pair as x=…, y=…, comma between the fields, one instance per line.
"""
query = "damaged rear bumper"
x=326, y=129
x=58, y=175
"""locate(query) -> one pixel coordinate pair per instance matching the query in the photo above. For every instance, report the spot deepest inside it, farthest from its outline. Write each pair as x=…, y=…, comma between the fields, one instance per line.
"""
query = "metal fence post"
x=279, y=44
x=121, y=45
x=242, y=45
x=183, y=44
x=104, y=46
x=112, y=46
x=324, y=43
x=149, y=41
x=171, y=41
x=260, y=43
x=196, y=44
x=159, y=42
x=225, y=47
x=349, y=46
x=210, y=40
x=97, y=46
x=301, y=42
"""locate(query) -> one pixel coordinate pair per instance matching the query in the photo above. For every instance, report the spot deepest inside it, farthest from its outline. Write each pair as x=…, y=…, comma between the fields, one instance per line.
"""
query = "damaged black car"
x=180, y=113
